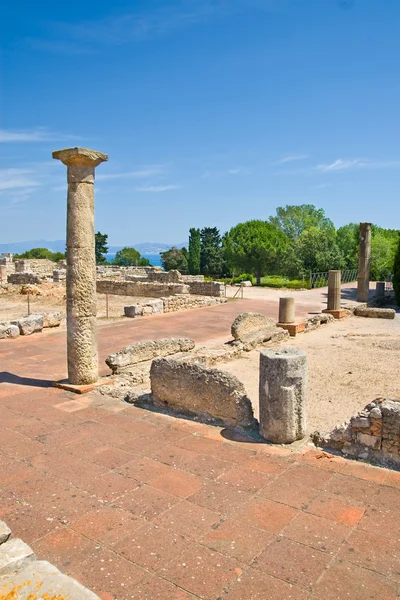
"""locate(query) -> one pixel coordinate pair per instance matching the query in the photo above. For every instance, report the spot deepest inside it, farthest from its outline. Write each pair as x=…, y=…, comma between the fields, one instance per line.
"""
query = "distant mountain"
x=59, y=246
x=20, y=247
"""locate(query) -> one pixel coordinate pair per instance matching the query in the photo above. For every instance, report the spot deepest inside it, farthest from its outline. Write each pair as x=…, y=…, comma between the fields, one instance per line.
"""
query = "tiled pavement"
x=138, y=505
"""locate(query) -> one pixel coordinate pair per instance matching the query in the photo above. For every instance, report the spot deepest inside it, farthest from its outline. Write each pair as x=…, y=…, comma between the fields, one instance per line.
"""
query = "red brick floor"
x=136, y=504
x=139, y=505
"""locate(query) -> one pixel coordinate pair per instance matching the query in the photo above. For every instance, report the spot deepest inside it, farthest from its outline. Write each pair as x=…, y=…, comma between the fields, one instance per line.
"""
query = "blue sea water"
x=155, y=259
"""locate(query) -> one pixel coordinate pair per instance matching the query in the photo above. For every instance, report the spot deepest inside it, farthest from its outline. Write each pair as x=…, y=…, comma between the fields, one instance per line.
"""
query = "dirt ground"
x=51, y=296
x=350, y=362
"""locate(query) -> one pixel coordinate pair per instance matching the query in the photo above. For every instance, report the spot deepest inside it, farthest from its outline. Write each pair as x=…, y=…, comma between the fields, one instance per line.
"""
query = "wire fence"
x=318, y=280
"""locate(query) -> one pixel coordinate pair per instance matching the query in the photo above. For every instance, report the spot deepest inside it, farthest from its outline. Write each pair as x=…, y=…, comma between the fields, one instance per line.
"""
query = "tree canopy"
x=175, y=258
x=41, y=253
x=293, y=219
x=101, y=247
x=211, y=254
x=129, y=257
x=254, y=247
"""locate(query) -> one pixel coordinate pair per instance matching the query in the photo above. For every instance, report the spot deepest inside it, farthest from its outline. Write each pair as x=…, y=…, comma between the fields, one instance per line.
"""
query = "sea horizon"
x=155, y=259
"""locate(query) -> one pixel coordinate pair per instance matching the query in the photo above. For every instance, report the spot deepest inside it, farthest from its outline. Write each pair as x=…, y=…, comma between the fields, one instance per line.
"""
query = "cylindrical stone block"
x=380, y=289
x=334, y=290
x=82, y=353
x=364, y=261
x=282, y=395
x=286, y=310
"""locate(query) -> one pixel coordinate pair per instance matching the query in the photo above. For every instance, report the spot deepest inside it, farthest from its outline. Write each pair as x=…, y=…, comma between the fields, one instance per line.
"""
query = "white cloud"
x=139, y=174
x=158, y=188
x=292, y=158
x=342, y=164
x=36, y=135
x=16, y=178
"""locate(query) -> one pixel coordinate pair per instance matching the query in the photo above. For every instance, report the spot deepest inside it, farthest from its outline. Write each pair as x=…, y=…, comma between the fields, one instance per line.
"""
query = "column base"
x=292, y=328
x=336, y=314
x=63, y=384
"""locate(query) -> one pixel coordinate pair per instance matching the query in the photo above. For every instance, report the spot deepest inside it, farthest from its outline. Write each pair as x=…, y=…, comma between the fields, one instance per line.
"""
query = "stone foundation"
x=207, y=288
x=122, y=361
x=183, y=302
x=372, y=435
x=24, y=278
x=141, y=289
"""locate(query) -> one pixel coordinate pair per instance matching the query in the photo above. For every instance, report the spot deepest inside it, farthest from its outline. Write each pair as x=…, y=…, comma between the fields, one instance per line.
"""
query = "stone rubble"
x=372, y=435
x=375, y=313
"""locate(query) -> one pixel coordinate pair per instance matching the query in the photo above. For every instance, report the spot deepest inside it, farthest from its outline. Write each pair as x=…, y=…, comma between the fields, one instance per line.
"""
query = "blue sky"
x=212, y=112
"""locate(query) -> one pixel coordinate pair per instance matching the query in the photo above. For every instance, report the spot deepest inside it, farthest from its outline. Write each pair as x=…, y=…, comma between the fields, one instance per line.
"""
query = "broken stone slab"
x=14, y=554
x=121, y=361
x=375, y=313
x=7, y=330
x=253, y=340
x=282, y=397
x=191, y=388
x=5, y=532
x=29, y=325
x=40, y=579
x=52, y=319
x=152, y=307
x=135, y=310
x=248, y=323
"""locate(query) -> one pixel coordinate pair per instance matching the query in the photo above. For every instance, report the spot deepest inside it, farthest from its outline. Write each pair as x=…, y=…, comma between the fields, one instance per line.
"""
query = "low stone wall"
x=207, y=288
x=192, y=278
x=372, y=435
x=188, y=387
x=24, y=278
x=165, y=276
x=29, y=325
x=142, y=289
x=186, y=302
x=122, y=272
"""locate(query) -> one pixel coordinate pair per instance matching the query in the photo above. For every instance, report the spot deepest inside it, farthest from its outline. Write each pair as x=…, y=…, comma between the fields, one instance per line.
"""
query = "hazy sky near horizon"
x=212, y=112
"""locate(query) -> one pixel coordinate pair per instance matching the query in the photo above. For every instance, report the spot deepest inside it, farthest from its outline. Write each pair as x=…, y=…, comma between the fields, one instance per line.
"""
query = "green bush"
x=243, y=277
x=396, y=274
x=277, y=282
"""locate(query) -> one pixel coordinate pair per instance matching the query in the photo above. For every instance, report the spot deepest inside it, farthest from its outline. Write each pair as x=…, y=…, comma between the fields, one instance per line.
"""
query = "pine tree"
x=194, y=251
x=211, y=256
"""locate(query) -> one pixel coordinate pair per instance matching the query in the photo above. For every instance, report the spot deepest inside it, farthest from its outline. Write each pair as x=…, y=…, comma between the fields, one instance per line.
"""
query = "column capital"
x=80, y=157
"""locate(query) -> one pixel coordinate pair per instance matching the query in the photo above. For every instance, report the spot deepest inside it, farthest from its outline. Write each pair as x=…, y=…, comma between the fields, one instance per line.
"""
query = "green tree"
x=41, y=253
x=175, y=258
x=396, y=273
x=129, y=257
x=383, y=251
x=101, y=247
x=318, y=250
x=194, y=251
x=293, y=220
x=211, y=255
x=347, y=238
x=254, y=247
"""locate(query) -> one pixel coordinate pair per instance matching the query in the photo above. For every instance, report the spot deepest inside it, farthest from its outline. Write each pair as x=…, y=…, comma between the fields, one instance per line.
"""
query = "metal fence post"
x=29, y=304
x=107, y=305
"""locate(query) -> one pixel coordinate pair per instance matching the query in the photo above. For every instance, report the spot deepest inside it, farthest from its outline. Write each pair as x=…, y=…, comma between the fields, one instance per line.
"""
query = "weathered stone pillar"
x=286, y=310
x=380, y=289
x=282, y=395
x=364, y=260
x=3, y=274
x=334, y=290
x=81, y=264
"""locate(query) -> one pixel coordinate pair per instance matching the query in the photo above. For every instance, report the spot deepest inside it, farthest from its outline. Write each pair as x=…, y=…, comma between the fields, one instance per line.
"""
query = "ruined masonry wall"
x=175, y=303
x=207, y=288
x=373, y=434
x=142, y=289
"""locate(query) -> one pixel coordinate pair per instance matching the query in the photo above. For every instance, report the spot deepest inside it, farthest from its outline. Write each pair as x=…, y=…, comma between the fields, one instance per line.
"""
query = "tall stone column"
x=81, y=264
x=334, y=289
x=364, y=260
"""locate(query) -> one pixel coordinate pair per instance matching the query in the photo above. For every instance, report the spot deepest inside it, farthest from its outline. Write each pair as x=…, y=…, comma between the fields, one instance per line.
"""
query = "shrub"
x=243, y=277
x=396, y=274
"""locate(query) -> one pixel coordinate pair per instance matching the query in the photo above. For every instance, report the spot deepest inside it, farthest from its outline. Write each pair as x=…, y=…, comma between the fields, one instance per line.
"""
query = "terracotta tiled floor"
x=139, y=505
